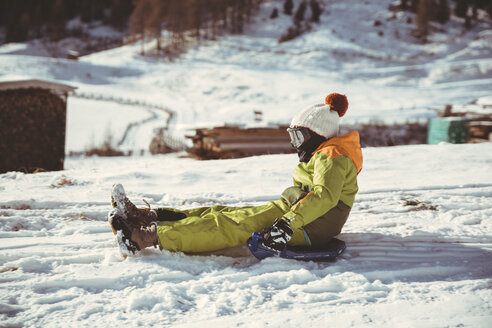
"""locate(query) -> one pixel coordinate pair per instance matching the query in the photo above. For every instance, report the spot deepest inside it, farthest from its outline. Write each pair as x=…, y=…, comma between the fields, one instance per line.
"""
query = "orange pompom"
x=337, y=102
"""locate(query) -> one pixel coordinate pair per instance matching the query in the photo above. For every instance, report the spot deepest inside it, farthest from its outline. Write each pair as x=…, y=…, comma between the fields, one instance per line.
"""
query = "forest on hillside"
x=30, y=19
x=173, y=23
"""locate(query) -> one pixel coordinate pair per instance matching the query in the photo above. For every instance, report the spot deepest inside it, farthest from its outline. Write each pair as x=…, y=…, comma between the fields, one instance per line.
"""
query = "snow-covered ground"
x=419, y=237
x=105, y=127
x=419, y=246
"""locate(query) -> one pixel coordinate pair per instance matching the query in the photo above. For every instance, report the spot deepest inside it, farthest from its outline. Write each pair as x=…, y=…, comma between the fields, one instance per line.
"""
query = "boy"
x=309, y=213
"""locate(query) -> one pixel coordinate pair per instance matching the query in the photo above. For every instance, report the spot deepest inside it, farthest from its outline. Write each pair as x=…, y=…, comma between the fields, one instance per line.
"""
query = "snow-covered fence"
x=163, y=142
x=134, y=124
x=124, y=101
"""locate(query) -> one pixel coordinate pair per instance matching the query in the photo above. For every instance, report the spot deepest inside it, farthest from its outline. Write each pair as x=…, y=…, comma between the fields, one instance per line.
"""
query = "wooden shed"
x=234, y=141
x=32, y=125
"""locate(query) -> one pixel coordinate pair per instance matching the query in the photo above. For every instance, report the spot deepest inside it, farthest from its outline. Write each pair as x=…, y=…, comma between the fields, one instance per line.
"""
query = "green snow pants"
x=217, y=227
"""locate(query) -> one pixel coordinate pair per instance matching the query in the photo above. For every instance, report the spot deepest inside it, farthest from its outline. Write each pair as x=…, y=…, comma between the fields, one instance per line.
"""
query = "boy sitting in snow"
x=310, y=213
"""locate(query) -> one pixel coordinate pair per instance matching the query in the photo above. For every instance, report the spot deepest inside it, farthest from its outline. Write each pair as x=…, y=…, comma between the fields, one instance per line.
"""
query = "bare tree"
x=424, y=14
x=154, y=23
x=138, y=20
x=183, y=19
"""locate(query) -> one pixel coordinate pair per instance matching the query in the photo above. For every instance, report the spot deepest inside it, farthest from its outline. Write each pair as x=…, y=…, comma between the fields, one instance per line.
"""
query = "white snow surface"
x=419, y=246
x=99, y=116
x=419, y=237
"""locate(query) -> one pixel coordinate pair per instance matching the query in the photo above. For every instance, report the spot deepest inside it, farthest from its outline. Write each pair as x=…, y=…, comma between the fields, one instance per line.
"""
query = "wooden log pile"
x=234, y=142
x=32, y=130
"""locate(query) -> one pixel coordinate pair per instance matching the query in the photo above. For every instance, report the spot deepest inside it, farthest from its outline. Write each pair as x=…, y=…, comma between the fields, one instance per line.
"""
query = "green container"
x=447, y=129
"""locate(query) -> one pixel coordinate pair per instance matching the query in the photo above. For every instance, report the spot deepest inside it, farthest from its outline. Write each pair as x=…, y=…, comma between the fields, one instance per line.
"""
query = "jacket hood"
x=347, y=144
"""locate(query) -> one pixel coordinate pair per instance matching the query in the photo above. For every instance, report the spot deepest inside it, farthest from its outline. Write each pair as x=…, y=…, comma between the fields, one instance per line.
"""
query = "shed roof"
x=24, y=84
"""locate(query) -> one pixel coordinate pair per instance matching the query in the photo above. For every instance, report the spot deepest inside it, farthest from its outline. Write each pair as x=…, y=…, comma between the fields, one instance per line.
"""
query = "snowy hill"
x=419, y=238
x=391, y=77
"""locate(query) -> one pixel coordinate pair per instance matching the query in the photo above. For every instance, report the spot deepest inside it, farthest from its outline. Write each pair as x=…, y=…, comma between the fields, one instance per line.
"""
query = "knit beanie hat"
x=323, y=119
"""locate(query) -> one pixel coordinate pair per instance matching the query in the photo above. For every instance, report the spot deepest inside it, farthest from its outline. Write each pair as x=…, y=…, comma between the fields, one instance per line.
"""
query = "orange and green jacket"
x=328, y=178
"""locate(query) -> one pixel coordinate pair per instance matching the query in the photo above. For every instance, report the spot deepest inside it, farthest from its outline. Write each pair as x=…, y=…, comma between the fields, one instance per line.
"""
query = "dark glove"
x=278, y=235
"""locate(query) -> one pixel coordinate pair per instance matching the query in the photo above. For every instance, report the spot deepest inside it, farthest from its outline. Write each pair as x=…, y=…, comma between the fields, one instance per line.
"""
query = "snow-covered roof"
x=33, y=83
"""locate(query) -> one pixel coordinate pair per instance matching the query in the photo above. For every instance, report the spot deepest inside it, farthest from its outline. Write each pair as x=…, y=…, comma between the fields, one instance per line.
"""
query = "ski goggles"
x=298, y=136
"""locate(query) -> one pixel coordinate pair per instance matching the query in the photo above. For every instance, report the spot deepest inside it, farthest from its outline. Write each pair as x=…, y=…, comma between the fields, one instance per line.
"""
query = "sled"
x=326, y=253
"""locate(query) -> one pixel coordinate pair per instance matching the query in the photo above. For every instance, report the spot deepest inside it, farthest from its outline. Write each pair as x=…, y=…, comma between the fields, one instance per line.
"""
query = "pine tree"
x=301, y=10
x=120, y=12
x=57, y=20
x=274, y=13
x=315, y=11
x=442, y=12
x=409, y=5
x=413, y=5
x=91, y=10
x=23, y=28
x=461, y=8
x=288, y=7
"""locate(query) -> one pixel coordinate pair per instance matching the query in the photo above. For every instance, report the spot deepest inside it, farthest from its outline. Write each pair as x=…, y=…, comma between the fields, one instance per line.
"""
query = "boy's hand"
x=278, y=235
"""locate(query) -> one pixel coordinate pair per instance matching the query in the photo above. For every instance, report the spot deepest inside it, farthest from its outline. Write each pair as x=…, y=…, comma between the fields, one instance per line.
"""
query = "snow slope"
x=419, y=237
x=83, y=113
x=391, y=77
x=419, y=244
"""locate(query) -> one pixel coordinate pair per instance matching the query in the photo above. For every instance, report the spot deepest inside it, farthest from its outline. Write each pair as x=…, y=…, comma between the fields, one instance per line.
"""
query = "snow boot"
x=135, y=217
x=132, y=239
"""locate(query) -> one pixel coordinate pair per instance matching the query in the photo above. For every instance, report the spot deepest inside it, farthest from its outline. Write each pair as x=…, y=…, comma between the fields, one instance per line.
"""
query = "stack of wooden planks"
x=235, y=141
